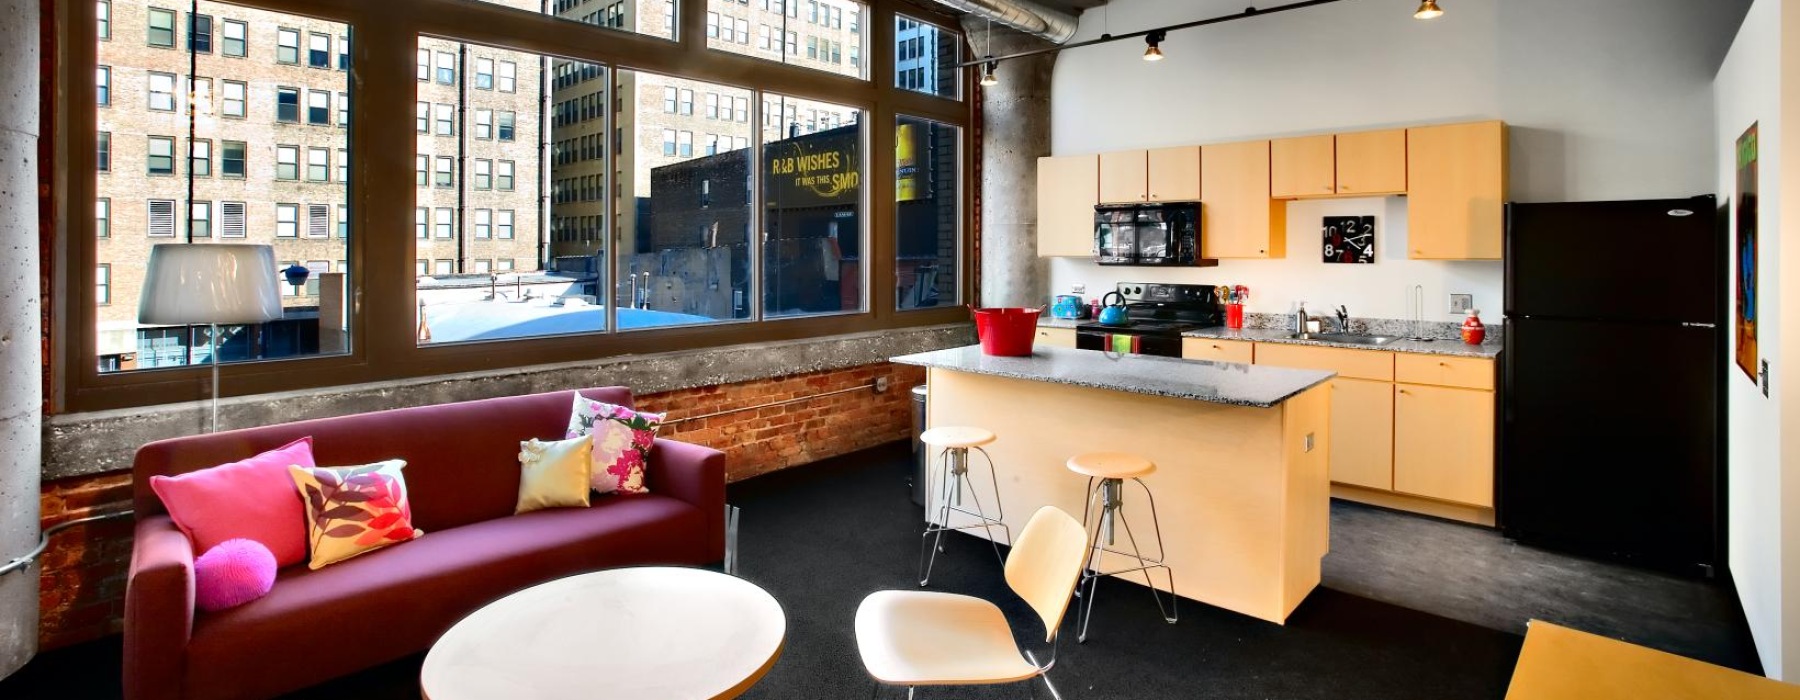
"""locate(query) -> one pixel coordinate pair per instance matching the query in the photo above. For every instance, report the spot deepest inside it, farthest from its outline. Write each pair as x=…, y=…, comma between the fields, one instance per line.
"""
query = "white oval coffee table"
x=642, y=632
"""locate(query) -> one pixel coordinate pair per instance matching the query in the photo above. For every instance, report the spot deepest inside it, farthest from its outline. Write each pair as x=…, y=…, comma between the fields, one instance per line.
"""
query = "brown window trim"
x=383, y=346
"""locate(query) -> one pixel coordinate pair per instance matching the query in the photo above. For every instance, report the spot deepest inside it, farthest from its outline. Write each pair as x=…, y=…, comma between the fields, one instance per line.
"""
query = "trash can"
x=915, y=476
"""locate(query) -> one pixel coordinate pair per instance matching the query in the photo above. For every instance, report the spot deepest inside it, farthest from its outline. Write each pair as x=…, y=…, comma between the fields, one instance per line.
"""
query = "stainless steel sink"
x=1347, y=338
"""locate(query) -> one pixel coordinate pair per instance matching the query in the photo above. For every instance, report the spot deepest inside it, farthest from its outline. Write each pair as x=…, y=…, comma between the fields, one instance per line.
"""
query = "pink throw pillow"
x=252, y=499
x=232, y=574
x=622, y=441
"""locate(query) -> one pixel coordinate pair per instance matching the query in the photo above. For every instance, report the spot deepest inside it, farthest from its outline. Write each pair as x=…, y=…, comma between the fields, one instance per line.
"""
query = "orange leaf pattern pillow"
x=352, y=510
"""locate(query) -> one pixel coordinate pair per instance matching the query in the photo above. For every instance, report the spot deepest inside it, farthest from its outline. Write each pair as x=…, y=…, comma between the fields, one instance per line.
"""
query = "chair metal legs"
x=1110, y=495
x=954, y=482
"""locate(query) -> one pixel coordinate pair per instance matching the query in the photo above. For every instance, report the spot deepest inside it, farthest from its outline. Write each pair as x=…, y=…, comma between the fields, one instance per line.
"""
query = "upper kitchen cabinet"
x=1303, y=167
x=1239, y=218
x=1456, y=190
x=1068, y=187
x=1371, y=163
x=1174, y=174
x=1124, y=177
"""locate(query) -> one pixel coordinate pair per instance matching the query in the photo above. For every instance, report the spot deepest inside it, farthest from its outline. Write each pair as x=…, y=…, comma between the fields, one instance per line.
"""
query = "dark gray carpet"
x=822, y=537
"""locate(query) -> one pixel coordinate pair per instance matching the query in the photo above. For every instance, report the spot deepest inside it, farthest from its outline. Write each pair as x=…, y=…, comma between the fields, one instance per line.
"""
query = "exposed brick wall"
x=83, y=582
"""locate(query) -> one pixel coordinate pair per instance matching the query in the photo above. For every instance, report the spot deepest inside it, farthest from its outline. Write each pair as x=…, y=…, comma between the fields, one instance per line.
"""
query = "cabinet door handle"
x=1443, y=364
x=1404, y=392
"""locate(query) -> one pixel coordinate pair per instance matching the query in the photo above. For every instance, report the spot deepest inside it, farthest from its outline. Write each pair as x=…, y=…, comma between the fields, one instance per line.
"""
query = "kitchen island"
x=1241, y=486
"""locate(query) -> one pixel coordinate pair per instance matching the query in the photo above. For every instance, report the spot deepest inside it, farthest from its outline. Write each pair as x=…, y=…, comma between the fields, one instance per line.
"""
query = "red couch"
x=462, y=476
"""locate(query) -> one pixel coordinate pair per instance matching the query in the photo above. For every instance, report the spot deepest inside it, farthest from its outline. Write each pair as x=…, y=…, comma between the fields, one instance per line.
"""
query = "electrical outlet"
x=1461, y=303
x=1080, y=288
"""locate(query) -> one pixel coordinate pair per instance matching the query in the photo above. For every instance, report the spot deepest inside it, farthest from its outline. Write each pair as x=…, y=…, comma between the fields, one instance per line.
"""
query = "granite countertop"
x=1424, y=347
x=1048, y=322
x=1216, y=382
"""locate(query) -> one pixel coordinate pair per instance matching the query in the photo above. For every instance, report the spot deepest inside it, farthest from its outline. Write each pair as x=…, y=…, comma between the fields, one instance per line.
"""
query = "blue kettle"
x=1113, y=314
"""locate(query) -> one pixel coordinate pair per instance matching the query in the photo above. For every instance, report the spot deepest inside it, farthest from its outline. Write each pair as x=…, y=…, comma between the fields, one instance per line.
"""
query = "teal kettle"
x=1113, y=314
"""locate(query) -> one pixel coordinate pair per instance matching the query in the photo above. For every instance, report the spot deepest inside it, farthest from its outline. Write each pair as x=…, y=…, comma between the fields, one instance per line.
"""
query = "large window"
x=829, y=41
x=926, y=57
x=813, y=171
x=927, y=213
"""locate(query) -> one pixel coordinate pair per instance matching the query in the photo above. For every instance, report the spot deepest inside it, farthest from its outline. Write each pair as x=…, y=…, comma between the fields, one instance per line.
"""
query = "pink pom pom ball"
x=232, y=573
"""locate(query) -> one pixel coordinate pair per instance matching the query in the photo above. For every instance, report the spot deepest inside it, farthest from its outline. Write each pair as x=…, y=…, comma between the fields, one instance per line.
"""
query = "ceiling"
x=1071, y=6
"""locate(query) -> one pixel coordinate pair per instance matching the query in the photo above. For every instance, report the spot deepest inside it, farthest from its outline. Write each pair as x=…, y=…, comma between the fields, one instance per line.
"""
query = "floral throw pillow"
x=352, y=510
x=622, y=439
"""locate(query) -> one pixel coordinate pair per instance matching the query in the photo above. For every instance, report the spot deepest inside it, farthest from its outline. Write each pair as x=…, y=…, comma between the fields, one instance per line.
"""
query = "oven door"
x=1159, y=345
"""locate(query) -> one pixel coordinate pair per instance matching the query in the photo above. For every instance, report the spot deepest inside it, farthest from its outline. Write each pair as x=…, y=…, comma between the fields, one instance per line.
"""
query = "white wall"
x=1608, y=99
x=1748, y=91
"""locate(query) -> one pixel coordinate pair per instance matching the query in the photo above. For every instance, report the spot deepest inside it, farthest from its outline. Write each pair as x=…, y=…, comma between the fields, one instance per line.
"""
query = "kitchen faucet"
x=1343, y=317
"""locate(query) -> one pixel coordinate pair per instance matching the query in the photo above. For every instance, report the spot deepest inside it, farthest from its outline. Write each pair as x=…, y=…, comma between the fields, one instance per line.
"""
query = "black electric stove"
x=1157, y=315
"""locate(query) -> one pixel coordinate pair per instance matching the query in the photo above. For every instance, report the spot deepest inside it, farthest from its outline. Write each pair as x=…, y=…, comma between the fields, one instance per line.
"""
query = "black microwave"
x=1147, y=234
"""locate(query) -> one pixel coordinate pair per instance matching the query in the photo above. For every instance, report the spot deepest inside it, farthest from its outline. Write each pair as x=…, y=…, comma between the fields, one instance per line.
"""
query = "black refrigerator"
x=1612, y=408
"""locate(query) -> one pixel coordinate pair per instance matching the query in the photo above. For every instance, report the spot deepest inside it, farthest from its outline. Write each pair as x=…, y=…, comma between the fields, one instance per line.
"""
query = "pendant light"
x=1428, y=10
x=987, y=73
x=1154, y=39
x=987, y=69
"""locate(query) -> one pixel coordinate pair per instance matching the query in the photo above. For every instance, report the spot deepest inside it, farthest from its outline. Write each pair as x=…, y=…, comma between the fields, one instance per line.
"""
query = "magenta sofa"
x=462, y=476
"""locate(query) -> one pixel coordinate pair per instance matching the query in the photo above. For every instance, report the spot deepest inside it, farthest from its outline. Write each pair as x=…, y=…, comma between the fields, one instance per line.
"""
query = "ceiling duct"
x=1053, y=25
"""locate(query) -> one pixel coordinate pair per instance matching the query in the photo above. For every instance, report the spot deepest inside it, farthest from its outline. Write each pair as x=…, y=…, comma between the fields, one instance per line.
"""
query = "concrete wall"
x=21, y=389
x=1607, y=99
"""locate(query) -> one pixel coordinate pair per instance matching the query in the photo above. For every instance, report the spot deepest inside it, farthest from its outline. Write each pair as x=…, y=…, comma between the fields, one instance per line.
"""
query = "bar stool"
x=1111, y=469
x=955, y=443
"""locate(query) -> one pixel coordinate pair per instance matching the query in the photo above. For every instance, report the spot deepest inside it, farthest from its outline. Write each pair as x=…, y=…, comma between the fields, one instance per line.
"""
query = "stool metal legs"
x=1110, y=495
x=955, y=482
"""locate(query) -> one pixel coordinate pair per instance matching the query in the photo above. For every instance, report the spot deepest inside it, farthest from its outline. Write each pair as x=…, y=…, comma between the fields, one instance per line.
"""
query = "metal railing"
x=22, y=562
x=878, y=386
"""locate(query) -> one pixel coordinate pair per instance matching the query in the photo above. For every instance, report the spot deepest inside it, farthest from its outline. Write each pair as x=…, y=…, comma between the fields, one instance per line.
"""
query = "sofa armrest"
x=159, y=610
x=694, y=474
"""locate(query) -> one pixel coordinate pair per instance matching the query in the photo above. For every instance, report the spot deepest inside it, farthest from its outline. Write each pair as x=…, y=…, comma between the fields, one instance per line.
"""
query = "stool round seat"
x=957, y=436
x=1111, y=465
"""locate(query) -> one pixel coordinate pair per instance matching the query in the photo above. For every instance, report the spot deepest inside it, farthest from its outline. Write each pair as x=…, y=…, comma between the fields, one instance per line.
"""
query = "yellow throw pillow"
x=554, y=474
x=352, y=510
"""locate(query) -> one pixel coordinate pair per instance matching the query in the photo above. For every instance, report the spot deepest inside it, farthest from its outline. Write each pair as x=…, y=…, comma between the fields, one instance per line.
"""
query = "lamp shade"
x=223, y=283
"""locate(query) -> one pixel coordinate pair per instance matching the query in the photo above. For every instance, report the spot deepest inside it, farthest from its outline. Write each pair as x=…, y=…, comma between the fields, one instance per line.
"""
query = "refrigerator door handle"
x=1690, y=324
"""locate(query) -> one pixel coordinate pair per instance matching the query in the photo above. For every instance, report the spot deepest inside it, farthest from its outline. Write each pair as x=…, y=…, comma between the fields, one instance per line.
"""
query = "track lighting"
x=1428, y=10
x=1154, y=39
x=987, y=73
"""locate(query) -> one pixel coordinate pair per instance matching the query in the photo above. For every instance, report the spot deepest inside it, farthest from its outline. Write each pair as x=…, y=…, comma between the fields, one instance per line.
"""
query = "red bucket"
x=1006, y=331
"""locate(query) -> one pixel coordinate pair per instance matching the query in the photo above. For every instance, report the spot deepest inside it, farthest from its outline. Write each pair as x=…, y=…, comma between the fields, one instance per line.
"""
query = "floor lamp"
x=213, y=284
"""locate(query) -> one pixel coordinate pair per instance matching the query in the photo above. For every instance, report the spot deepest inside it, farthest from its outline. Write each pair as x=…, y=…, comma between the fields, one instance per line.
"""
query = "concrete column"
x=21, y=369
x=1015, y=132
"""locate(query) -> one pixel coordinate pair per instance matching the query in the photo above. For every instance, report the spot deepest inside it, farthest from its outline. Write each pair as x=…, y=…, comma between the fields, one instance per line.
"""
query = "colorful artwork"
x=1746, y=253
x=1349, y=239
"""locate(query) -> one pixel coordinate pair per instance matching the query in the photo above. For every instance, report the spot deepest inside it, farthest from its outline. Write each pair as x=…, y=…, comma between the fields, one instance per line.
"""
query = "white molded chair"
x=915, y=638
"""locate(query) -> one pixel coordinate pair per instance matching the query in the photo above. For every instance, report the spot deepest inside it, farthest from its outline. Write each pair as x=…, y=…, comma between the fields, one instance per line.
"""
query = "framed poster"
x=1746, y=311
x=1349, y=239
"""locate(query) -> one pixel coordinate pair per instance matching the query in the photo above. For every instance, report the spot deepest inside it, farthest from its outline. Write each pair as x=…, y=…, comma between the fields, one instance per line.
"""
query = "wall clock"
x=1349, y=239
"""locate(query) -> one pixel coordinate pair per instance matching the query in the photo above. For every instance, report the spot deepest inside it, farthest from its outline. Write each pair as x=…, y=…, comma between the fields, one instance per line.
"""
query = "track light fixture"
x=1428, y=10
x=1154, y=51
x=987, y=73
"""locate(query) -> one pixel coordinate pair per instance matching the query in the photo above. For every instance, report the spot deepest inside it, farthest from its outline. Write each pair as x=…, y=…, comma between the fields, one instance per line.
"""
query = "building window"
x=103, y=86
x=669, y=95
x=484, y=224
x=343, y=53
x=161, y=92
x=343, y=165
x=318, y=221
x=160, y=159
x=668, y=142
x=684, y=144
x=318, y=107
x=343, y=110
x=103, y=15
x=483, y=267
x=343, y=228
x=446, y=68
x=287, y=162
x=484, y=176
x=235, y=38
x=506, y=125
x=446, y=119
x=233, y=96
x=503, y=176
x=103, y=218
x=162, y=218
x=316, y=268
x=160, y=27
x=231, y=220
x=446, y=171
x=443, y=222
x=424, y=64
x=200, y=33
x=420, y=230
x=318, y=164
x=484, y=124
x=287, y=46
x=484, y=74
x=503, y=224
x=809, y=227
x=200, y=219
x=103, y=284
x=712, y=105
x=103, y=152
x=503, y=265
x=318, y=50
x=422, y=164
x=442, y=267
x=231, y=158
x=687, y=102
x=200, y=157
x=287, y=221
x=287, y=105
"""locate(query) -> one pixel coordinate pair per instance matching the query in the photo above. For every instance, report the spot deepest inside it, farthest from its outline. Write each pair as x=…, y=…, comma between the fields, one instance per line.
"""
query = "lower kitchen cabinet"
x=1362, y=433
x=1444, y=443
x=1056, y=337
x=1218, y=350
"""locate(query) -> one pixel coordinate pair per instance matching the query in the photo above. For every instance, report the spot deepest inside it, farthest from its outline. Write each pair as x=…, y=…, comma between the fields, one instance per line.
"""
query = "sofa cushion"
x=353, y=510
x=379, y=607
x=251, y=499
x=554, y=474
x=622, y=441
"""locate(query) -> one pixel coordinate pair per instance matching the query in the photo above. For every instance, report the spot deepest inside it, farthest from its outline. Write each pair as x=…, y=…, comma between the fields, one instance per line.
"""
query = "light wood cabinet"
x=1173, y=174
x=1375, y=365
x=1068, y=187
x=1456, y=191
x=1239, y=219
x=1371, y=162
x=1218, y=350
x=1056, y=337
x=1462, y=372
x=1302, y=167
x=1362, y=433
x=1444, y=443
x=1124, y=177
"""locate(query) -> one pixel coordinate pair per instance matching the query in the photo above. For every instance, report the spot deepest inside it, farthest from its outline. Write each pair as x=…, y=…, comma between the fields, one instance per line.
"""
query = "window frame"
x=385, y=349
